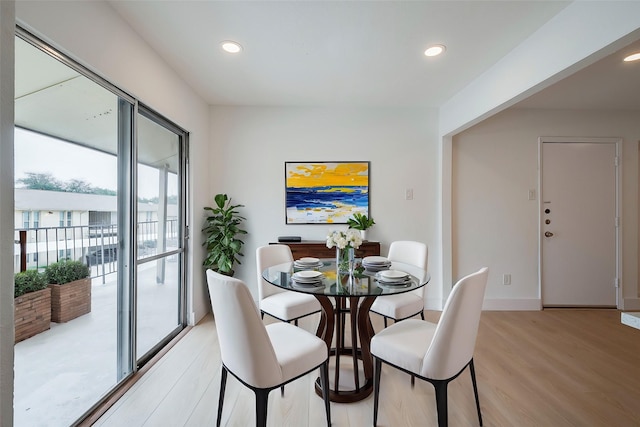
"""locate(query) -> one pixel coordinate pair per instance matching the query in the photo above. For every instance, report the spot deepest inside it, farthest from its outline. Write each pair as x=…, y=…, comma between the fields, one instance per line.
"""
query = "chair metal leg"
x=385, y=321
x=422, y=314
x=281, y=390
x=441, y=402
x=295, y=322
x=324, y=380
x=413, y=377
x=475, y=390
x=376, y=388
x=223, y=386
x=262, y=397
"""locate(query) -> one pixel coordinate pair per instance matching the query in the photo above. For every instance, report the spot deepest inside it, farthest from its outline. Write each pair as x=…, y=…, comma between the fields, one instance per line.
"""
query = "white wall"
x=94, y=34
x=495, y=165
x=250, y=146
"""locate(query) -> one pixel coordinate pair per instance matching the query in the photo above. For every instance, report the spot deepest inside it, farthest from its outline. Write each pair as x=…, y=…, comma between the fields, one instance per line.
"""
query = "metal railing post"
x=23, y=250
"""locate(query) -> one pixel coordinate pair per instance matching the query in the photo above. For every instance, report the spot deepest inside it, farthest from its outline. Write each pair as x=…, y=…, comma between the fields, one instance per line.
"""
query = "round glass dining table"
x=340, y=294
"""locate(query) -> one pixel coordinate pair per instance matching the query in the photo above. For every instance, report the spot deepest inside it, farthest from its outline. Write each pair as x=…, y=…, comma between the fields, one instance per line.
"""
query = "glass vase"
x=345, y=260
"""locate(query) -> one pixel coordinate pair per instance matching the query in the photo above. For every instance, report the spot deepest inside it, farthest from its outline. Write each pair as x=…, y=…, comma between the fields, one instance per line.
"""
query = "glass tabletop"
x=325, y=280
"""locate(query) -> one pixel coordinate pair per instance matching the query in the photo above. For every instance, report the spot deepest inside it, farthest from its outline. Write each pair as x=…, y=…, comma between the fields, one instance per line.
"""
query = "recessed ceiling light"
x=231, y=46
x=434, y=50
x=632, y=57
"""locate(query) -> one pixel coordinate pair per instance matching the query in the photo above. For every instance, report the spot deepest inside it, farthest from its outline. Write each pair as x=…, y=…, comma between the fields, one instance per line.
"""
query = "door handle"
x=548, y=234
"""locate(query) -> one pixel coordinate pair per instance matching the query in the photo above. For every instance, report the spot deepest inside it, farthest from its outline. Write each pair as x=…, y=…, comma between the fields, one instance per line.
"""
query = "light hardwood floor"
x=550, y=368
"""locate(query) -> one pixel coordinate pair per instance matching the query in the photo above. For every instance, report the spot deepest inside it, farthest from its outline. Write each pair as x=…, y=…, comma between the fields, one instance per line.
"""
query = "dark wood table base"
x=333, y=319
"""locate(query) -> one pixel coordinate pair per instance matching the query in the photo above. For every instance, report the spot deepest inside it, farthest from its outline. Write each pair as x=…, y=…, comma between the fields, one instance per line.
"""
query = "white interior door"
x=578, y=224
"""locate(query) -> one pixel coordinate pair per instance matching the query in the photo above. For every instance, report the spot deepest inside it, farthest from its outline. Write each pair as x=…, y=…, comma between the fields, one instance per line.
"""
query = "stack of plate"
x=307, y=278
x=393, y=277
x=376, y=263
x=307, y=262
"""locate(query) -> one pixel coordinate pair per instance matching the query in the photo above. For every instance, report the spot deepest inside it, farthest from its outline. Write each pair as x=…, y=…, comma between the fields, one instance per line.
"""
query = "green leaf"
x=221, y=228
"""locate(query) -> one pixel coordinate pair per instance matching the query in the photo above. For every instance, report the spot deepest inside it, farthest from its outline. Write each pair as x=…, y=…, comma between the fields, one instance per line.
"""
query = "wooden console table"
x=319, y=249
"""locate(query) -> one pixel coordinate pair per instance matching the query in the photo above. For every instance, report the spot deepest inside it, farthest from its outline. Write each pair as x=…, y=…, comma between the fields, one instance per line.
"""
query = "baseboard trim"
x=528, y=304
x=497, y=304
x=630, y=304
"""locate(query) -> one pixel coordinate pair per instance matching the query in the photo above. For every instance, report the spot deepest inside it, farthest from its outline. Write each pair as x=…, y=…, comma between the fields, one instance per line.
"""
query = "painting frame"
x=326, y=192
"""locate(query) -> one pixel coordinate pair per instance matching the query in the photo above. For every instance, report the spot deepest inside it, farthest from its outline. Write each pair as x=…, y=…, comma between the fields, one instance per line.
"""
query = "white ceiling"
x=333, y=53
x=359, y=53
x=609, y=84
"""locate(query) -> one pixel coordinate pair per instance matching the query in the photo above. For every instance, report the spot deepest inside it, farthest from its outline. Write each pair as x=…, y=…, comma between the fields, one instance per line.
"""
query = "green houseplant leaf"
x=222, y=229
x=360, y=221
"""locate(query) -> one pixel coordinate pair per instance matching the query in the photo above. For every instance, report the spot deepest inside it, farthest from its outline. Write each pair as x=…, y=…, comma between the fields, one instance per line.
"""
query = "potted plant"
x=70, y=289
x=222, y=229
x=32, y=304
x=360, y=222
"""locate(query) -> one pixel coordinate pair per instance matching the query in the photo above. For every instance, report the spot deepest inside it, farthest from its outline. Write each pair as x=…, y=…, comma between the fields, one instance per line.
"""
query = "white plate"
x=308, y=260
x=372, y=260
x=306, y=265
x=393, y=275
x=394, y=285
x=314, y=284
x=307, y=275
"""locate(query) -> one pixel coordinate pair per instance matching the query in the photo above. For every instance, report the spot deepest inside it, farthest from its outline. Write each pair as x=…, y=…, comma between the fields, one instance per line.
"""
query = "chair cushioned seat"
x=398, y=306
x=295, y=349
x=289, y=305
x=404, y=344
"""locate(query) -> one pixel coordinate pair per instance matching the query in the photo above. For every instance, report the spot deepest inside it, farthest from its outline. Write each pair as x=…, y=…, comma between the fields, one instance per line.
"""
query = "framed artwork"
x=325, y=192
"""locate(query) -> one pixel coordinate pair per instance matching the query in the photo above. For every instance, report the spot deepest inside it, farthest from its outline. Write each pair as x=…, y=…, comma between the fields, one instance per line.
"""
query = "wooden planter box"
x=70, y=300
x=32, y=313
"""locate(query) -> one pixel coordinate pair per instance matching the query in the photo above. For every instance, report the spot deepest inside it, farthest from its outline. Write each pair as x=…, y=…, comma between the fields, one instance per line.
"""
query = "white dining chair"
x=406, y=305
x=436, y=353
x=261, y=357
x=280, y=303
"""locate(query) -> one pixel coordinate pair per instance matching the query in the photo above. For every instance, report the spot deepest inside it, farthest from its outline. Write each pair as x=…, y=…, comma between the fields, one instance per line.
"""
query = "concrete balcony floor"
x=62, y=372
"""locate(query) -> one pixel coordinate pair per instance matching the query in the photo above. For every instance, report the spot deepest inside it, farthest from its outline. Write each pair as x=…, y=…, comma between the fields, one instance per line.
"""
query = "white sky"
x=41, y=154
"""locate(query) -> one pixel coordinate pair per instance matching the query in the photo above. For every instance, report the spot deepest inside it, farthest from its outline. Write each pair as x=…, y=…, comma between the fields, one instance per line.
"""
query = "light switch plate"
x=408, y=194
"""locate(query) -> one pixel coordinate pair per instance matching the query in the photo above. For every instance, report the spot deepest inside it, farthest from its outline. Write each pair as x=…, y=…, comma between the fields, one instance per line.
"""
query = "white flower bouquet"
x=344, y=239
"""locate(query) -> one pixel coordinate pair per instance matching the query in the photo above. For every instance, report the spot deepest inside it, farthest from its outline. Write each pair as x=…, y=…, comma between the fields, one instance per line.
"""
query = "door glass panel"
x=66, y=170
x=158, y=237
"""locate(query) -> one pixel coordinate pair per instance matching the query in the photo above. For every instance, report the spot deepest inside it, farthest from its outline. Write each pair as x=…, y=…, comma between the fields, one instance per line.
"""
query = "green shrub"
x=28, y=281
x=66, y=271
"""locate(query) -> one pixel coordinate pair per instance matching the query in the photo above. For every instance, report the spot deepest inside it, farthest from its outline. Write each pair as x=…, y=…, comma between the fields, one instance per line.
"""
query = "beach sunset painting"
x=326, y=192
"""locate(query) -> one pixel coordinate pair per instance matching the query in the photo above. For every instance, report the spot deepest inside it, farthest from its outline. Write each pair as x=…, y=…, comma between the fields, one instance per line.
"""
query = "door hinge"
x=617, y=222
x=616, y=282
x=616, y=161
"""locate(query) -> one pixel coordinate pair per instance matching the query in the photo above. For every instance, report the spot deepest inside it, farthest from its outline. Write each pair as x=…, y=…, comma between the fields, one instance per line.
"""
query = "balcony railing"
x=95, y=245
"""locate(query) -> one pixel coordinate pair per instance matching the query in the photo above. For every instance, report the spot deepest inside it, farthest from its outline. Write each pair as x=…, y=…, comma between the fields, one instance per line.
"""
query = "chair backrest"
x=410, y=252
x=245, y=347
x=268, y=256
x=455, y=337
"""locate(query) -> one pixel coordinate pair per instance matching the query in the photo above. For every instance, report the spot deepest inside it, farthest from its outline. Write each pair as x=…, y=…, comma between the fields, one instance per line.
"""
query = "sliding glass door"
x=160, y=297
x=100, y=179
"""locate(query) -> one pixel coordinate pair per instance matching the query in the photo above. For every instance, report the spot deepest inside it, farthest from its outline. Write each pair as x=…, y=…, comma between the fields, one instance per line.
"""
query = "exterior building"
x=59, y=225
